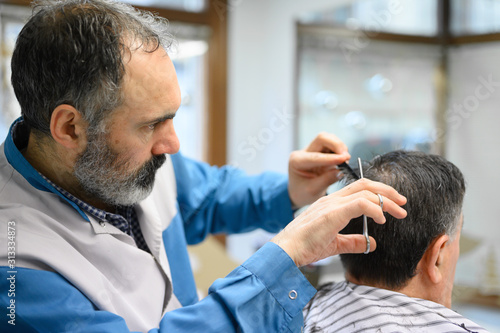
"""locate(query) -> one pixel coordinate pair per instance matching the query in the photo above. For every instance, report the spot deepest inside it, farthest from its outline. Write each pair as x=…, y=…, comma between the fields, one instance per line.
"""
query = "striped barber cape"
x=347, y=307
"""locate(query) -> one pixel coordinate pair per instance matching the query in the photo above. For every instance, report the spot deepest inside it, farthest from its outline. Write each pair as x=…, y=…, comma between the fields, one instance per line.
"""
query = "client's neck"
x=364, y=282
x=414, y=287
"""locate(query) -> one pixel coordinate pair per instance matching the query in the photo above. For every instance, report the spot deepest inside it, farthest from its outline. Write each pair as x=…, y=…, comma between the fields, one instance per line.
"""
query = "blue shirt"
x=264, y=294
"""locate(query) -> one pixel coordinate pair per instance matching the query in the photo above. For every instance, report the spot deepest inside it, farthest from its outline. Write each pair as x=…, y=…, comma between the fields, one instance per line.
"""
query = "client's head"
x=418, y=254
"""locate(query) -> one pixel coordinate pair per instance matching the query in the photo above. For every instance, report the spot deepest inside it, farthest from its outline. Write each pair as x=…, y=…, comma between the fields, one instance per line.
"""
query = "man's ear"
x=67, y=127
x=432, y=260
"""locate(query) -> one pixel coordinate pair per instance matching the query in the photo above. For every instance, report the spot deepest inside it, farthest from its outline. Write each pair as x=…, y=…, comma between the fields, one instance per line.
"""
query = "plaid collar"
x=118, y=220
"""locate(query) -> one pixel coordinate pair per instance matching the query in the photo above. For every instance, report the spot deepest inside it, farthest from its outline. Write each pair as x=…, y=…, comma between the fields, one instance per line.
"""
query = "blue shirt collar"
x=18, y=131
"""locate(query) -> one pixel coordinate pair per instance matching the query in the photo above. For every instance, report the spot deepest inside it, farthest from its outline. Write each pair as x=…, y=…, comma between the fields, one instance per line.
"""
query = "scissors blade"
x=365, y=221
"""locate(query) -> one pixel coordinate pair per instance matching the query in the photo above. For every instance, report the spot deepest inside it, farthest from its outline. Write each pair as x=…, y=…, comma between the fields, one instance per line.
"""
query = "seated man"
x=405, y=285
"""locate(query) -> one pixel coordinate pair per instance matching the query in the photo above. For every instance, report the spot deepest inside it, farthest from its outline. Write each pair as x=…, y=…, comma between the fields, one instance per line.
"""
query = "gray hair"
x=72, y=52
x=434, y=188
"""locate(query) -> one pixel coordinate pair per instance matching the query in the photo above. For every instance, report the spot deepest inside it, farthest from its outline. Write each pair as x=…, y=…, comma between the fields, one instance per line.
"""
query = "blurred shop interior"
x=260, y=78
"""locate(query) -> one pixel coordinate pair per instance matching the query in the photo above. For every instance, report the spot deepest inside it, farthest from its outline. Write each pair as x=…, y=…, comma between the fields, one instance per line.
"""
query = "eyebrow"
x=159, y=119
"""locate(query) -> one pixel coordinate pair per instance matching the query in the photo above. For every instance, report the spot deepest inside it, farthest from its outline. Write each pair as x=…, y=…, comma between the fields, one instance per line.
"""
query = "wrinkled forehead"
x=149, y=85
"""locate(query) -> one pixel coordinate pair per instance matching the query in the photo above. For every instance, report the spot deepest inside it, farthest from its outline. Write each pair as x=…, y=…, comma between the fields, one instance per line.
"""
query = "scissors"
x=345, y=167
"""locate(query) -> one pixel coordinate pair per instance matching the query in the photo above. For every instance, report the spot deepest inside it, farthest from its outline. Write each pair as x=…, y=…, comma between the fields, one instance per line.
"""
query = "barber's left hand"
x=314, y=168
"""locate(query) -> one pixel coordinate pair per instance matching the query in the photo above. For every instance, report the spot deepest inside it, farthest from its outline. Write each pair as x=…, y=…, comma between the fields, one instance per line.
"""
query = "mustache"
x=157, y=161
x=146, y=174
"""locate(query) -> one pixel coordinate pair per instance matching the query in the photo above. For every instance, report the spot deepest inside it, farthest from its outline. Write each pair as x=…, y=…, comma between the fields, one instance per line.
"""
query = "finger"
x=360, y=204
x=326, y=179
x=376, y=187
x=373, y=206
x=318, y=184
x=344, y=209
x=327, y=142
x=357, y=204
x=331, y=176
x=303, y=160
x=389, y=206
x=353, y=244
x=329, y=171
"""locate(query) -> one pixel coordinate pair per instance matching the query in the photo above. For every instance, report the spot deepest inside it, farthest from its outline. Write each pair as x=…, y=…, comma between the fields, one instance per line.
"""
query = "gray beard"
x=104, y=176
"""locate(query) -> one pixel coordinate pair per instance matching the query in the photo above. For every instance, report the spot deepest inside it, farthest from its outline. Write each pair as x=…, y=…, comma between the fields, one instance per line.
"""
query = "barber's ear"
x=434, y=257
x=67, y=127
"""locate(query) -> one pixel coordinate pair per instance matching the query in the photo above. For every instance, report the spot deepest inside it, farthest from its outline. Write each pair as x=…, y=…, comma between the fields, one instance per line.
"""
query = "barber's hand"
x=314, y=234
x=313, y=169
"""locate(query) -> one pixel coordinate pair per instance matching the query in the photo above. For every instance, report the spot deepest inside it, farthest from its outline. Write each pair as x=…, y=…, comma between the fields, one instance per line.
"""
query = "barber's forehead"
x=148, y=67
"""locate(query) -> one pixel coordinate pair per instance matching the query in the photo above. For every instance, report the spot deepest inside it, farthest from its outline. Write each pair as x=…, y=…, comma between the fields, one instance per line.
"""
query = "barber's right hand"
x=314, y=234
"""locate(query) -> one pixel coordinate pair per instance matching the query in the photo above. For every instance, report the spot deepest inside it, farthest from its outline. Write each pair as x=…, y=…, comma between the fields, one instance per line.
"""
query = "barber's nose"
x=167, y=141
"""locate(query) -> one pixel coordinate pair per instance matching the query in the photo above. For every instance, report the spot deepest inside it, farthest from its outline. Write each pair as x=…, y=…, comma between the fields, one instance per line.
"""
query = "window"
x=196, y=6
x=387, y=102
x=473, y=17
x=190, y=61
x=11, y=22
x=403, y=17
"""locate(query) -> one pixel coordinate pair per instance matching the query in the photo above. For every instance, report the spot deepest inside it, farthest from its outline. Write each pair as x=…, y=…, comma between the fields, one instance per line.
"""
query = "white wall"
x=473, y=141
x=262, y=49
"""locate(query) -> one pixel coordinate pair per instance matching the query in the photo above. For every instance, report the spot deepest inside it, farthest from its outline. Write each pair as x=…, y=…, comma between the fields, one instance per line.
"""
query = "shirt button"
x=292, y=294
x=102, y=224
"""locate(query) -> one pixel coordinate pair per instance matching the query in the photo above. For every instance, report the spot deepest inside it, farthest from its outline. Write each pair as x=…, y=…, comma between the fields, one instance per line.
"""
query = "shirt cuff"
x=277, y=271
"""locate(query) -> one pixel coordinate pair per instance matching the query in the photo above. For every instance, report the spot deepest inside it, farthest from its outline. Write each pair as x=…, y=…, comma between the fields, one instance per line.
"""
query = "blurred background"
x=260, y=78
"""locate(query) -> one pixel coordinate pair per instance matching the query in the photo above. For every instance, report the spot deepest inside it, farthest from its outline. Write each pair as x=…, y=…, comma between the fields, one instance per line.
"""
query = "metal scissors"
x=345, y=167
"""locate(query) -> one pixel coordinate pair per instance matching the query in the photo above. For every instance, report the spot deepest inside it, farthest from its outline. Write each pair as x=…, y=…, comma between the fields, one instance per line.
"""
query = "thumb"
x=330, y=176
x=326, y=179
x=305, y=160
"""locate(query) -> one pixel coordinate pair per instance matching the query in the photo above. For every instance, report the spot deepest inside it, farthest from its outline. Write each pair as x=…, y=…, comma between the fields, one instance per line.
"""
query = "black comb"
x=344, y=167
